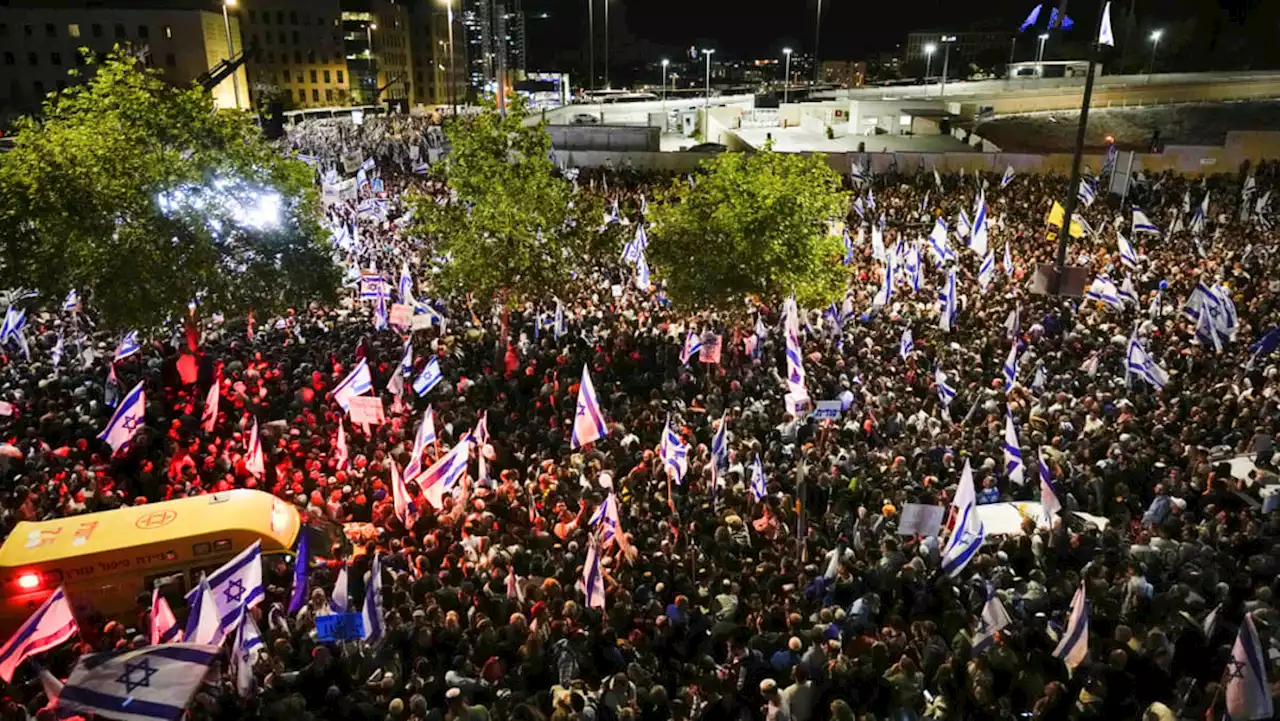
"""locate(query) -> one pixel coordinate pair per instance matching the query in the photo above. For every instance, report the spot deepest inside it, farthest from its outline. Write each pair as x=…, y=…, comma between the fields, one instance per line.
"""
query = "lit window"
x=168, y=31
x=73, y=30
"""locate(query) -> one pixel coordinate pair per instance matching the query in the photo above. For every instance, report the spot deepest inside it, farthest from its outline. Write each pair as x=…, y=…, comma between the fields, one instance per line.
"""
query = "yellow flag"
x=1056, y=215
x=1076, y=230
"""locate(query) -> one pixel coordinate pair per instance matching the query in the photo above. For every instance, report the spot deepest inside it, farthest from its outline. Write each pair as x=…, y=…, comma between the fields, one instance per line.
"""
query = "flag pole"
x=1060, y=260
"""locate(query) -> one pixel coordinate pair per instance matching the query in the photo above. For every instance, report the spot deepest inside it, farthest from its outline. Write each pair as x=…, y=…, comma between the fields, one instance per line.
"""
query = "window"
x=73, y=30
x=284, y=77
x=299, y=77
x=328, y=93
x=296, y=40
x=320, y=21
x=143, y=32
x=311, y=56
x=302, y=95
x=313, y=77
x=279, y=17
x=55, y=58
x=4, y=30
x=254, y=37
x=266, y=18
x=293, y=18
x=326, y=76
x=340, y=80
x=97, y=30
x=39, y=88
x=253, y=16
x=271, y=58
x=297, y=58
x=284, y=39
x=51, y=30
x=32, y=59
x=15, y=89
x=120, y=33
x=315, y=95
x=341, y=93
x=170, y=60
x=28, y=31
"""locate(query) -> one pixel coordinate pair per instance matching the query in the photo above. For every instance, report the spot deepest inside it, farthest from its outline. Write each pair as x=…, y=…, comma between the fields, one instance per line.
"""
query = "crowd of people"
x=802, y=602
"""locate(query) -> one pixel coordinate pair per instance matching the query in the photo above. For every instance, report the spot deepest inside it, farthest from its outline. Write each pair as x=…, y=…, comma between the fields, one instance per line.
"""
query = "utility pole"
x=591, y=44
x=817, y=38
x=500, y=24
x=1064, y=233
x=606, y=43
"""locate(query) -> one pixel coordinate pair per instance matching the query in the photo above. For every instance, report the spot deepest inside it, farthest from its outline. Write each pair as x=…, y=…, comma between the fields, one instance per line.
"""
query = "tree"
x=752, y=224
x=507, y=232
x=142, y=197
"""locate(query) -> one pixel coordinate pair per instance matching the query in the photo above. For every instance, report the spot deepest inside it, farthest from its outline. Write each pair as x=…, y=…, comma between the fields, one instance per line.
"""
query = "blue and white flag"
x=674, y=453
x=1032, y=19
x=235, y=587
x=1073, y=648
x=1205, y=332
x=1216, y=300
x=406, y=285
x=720, y=443
x=758, y=486
x=964, y=228
x=987, y=271
x=130, y=415
x=51, y=625
x=947, y=314
x=202, y=616
x=965, y=541
x=1105, y=36
x=153, y=683
x=338, y=599
x=588, y=419
x=1138, y=362
x=244, y=654
x=848, y=247
x=857, y=175
x=692, y=347
x=55, y=355
x=795, y=359
x=15, y=322
x=1127, y=255
x=978, y=238
x=405, y=509
x=301, y=573
x=1008, y=171
x=358, y=382
x=1104, y=290
x=72, y=302
x=913, y=269
x=1008, y=261
x=1141, y=223
x=946, y=393
x=607, y=514
x=1013, y=465
x=592, y=578
x=871, y=199
x=993, y=619
x=642, y=274
x=1248, y=694
x=128, y=346
x=428, y=378
x=938, y=244
x=1010, y=367
x=966, y=494
x=1049, y=503
x=445, y=474
x=1200, y=216
x=372, y=611
x=426, y=434
x=1088, y=192
x=906, y=344
x=1128, y=293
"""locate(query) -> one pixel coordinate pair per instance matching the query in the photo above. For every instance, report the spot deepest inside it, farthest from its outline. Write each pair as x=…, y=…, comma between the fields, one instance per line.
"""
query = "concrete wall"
x=683, y=162
x=638, y=113
x=605, y=137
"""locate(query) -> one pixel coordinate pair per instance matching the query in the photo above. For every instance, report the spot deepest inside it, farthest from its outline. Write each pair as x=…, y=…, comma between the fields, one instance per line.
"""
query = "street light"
x=1040, y=54
x=1155, y=43
x=665, y=64
x=453, y=98
x=368, y=30
x=786, y=76
x=929, y=50
x=231, y=51
x=706, y=102
x=946, y=41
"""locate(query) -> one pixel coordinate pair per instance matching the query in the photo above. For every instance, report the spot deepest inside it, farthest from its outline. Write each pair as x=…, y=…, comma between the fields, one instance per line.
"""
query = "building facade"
x=966, y=46
x=299, y=57
x=845, y=73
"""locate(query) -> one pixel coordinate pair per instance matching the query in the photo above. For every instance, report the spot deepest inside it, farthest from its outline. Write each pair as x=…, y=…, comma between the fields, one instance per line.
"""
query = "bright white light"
x=245, y=206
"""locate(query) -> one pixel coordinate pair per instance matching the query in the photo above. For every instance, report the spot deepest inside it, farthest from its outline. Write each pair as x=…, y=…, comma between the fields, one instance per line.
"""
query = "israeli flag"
x=993, y=619
x=428, y=378
x=338, y=599
x=235, y=587
x=947, y=314
x=1073, y=649
x=965, y=542
x=1128, y=293
x=692, y=346
x=1011, y=367
x=1088, y=192
x=1142, y=224
x=946, y=393
x=15, y=321
x=1138, y=362
x=642, y=274
x=607, y=513
x=978, y=238
x=153, y=683
x=202, y=617
x=1103, y=290
x=674, y=453
x=1008, y=171
x=987, y=271
x=406, y=285
x=426, y=434
x=938, y=243
x=245, y=653
x=72, y=303
x=358, y=382
x=443, y=475
x=1105, y=36
x=1201, y=215
x=848, y=247
x=588, y=420
x=795, y=359
x=372, y=611
x=720, y=443
x=758, y=486
x=128, y=346
x=1008, y=261
x=857, y=175
x=130, y=415
x=406, y=510
x=907, y=344
x=913, y=268
x=1013, y=466
x=592, y=578
x=1248, y=694
x=963, y=227
x=1127, y=255
x=1049, y=503
x=966, y=494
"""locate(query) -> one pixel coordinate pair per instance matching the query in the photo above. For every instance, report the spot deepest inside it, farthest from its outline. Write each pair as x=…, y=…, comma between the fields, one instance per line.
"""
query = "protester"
x=711, y=608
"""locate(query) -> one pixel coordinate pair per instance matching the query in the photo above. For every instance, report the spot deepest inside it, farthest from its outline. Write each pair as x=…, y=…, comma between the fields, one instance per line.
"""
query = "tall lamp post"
x=817, y=37
x=786, y=76
x=453, y=98
x=665, y=64
x=929, y=50
x=606, y=43
x=1040, y=54
x=231, y=50
x=706, y=101
x=946, y=41
x=1155, y=44
x=591, y=44
x=373, y=69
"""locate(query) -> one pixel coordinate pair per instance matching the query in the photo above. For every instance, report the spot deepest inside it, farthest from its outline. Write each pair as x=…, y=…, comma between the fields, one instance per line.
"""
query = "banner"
x=711, y=345
x=337, y=627
x=919, y=519
x=827, y=410
x=367, y=410
x=401, y=315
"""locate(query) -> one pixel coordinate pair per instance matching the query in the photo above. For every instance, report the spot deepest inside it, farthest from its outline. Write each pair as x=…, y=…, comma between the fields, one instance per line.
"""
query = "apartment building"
x=436, y=80
x=300, y=57
x=41, y=41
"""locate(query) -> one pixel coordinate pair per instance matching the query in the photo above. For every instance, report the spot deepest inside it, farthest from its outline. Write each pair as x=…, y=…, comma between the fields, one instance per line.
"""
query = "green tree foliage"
x=753, y=224
x=132, y=192
x=508, y=231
